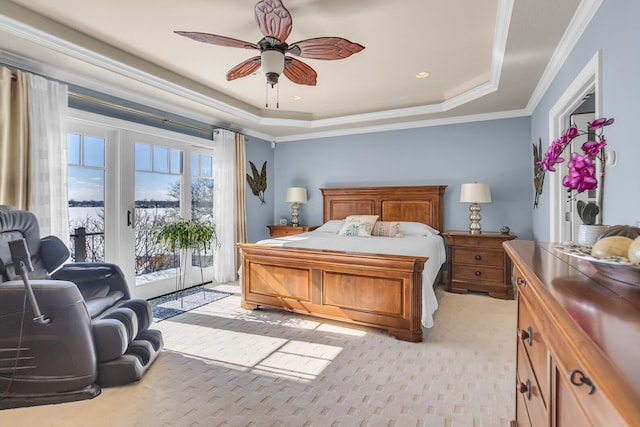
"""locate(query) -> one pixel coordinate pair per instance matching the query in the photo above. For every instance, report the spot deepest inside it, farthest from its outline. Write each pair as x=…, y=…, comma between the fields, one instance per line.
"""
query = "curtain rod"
x=164, y=119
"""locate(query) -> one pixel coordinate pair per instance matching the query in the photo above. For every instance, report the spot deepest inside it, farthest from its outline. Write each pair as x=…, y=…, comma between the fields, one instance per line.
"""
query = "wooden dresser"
x=578, y=347
x=477, y=262
x=289, y=230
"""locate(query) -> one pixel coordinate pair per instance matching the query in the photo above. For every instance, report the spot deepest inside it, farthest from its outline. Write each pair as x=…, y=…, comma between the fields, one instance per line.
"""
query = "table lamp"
x=296, y=195
x=475, y=193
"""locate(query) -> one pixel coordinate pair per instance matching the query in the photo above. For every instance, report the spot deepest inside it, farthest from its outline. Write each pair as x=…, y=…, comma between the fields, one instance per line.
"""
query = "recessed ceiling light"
x=296, y=98
x=423, y=75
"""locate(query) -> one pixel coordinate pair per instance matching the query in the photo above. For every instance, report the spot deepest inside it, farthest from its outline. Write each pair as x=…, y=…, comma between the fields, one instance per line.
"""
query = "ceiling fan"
x=275, y=23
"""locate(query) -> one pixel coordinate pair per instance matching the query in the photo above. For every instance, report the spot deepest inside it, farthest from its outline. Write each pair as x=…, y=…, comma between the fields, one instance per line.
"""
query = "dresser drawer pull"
x=520, y=281
x=526, y=335
x=577, y=378
x=478, y=273
x=525, y=388
x=478, y=257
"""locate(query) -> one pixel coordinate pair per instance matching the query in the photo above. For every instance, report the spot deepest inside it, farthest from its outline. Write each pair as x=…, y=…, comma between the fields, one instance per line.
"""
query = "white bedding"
x=430, y=245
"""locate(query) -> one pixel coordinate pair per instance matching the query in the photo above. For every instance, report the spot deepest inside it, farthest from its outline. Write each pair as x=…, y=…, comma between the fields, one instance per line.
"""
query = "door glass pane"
x=73, y=148
x=143, y=157
x=93, y=152
x=202, y=202
x=160, y=159
x=86, y=188
x=157, y=199
x=176, y=161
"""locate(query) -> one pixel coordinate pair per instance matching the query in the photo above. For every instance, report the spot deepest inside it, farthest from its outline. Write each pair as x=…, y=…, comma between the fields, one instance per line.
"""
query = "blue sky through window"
x=157, y=169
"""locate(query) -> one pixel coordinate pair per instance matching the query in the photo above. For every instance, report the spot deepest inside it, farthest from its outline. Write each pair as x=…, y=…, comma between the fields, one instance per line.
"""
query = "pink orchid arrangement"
x=582, y=171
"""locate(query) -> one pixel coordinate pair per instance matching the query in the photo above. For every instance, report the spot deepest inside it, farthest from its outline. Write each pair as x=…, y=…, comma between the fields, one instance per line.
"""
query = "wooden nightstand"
x=477, y=262
x=289, y=230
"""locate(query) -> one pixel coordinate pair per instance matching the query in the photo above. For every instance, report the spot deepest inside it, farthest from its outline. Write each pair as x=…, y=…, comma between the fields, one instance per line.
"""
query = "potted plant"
x=180, y=235
x=589, y=230
x=582, y=171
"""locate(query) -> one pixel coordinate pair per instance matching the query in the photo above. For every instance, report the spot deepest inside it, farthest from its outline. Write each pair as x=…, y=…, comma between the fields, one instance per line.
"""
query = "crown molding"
x=581, y=19
x=407, y=125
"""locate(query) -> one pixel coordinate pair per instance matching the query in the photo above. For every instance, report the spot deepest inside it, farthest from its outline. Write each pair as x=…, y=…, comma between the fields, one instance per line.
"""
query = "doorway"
x=125, y=181
x=583, y=94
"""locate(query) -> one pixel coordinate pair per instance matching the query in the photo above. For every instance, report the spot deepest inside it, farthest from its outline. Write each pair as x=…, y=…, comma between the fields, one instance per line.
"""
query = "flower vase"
x=587, y=234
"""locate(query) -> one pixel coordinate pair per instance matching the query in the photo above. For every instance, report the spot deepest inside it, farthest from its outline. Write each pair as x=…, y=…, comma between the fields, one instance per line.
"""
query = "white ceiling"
x=487, y=58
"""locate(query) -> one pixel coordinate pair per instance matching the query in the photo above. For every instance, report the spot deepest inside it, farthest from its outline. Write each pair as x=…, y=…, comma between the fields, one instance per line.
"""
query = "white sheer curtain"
x=49, y=197
x=223, y=206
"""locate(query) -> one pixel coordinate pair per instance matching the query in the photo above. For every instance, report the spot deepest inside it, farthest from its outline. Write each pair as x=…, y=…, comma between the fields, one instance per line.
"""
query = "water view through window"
x=159, y=179
x=86, y=174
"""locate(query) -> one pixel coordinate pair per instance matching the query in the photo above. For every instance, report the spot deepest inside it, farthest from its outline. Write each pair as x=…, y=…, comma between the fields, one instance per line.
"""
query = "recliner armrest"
x=89, y=275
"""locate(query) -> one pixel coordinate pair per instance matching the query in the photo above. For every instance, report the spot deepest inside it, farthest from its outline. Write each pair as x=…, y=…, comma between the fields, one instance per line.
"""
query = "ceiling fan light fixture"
x=272, y=61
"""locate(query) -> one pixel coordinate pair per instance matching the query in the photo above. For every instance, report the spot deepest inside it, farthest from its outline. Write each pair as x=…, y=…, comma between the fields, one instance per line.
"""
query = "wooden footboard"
x=383, y=291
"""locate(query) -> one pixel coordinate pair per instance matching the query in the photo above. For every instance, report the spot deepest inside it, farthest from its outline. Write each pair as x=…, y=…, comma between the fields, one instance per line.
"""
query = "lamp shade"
x=475, y=193
x=296, y=195
x=272, y=61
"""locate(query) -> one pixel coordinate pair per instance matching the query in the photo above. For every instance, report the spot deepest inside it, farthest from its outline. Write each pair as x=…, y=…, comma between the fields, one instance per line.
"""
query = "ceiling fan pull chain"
x=266, y=95
x=278, y=97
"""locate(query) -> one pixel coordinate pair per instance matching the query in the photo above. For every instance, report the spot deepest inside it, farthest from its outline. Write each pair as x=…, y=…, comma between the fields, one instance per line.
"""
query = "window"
x=158, y=190
x=86, y=176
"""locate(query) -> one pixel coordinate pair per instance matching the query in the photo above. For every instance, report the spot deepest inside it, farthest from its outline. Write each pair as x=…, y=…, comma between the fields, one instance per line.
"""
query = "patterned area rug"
x=180, y=302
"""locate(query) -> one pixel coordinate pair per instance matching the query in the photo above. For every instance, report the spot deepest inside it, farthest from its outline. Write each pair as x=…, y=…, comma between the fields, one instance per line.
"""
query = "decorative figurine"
x=504, y=229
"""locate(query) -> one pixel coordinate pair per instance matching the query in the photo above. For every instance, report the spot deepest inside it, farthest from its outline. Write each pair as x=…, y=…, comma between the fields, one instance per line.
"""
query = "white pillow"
x=417, y=229
x=331, y=226
x=358, y=225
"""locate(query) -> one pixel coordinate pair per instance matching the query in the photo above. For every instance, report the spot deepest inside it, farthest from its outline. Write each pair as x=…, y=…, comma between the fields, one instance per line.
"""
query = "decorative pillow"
x=417, y=229
x=358, y=225
x=387, y=229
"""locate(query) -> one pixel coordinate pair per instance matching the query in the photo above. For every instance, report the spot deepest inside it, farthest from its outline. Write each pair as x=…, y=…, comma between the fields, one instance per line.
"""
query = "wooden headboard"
x=412, y=203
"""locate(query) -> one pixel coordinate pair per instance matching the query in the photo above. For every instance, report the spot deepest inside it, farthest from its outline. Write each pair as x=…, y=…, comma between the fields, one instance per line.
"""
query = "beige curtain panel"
x=15, y=144
x=240, y=195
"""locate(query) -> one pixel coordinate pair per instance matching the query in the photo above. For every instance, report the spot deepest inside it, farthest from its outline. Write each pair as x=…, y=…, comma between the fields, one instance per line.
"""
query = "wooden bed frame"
x=383, y=291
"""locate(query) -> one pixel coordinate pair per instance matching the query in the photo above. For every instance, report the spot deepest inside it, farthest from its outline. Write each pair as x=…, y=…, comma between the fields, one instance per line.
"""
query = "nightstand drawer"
x=485, y=240
x=479, y=257
x=288, y=230
x=472, y=273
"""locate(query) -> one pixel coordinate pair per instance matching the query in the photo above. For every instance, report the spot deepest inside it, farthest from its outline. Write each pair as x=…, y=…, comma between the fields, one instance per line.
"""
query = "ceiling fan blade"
x=217, y=40
x=325, y=48
x=274, y=20
x=299, y=72
x=244, y=68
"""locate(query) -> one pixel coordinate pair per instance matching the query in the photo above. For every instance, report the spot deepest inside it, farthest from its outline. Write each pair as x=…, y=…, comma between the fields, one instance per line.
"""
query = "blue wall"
x=497, y=152
x=613, y=31
x=258, y=215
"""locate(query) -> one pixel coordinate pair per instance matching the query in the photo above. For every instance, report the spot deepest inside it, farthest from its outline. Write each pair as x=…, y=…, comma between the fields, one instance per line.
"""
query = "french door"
x=131, y=181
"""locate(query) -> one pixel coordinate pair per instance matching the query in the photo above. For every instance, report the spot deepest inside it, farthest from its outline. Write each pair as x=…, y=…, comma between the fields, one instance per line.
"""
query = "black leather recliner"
x=97, y=335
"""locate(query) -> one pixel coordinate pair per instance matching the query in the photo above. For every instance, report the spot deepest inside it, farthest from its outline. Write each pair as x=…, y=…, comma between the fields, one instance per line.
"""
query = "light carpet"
x=225, y=366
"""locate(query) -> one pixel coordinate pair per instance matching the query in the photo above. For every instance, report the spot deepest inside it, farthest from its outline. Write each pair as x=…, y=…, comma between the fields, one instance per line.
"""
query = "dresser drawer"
x=479, y=257
x=576, y=388
x=472, y=273
x=530, y=337
x=528, y=387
